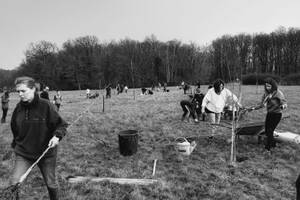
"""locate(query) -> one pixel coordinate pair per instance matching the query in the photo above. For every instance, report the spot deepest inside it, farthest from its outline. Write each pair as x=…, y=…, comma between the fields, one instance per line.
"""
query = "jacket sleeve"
x=14, y=128
x=56, y=123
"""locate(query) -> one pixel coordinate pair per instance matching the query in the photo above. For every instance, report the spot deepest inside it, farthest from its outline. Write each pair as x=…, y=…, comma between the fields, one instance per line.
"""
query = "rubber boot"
x=53, y=193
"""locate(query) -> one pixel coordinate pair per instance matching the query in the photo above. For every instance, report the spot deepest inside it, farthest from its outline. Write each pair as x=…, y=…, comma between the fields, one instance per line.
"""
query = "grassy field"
x=91, y=149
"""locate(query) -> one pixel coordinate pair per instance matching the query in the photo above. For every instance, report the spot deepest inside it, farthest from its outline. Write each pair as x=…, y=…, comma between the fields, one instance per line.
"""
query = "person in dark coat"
x=4, y=102
x=36, y=125
x=108, y=91
x=44, y=94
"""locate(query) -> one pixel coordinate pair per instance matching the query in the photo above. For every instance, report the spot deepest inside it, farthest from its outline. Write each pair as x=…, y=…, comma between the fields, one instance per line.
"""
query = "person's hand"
x=202, y=110
x=53, y=141
x=283, y=106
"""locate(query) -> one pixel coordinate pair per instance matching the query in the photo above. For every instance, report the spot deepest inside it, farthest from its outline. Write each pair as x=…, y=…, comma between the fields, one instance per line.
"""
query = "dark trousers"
x=187, y=107
x=298, y=187
x=272, y=120
x=4, y=113
x=57, y=106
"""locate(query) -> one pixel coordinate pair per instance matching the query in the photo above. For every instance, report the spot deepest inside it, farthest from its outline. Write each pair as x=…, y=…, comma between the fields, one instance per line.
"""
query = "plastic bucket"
x=128, y=142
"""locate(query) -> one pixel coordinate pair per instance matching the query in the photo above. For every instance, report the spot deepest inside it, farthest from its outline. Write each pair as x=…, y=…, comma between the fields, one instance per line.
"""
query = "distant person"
x=181, y=85
x=45, y=93
x=197, y=90
x=165, y=88
x=57, y=100
x=186, y=87
x=35, y=125
x=125, y=88
x=215, y=99
x=275, y=102
x=118, y=88
x=108, y=91
x=159, y=86
x=4, y=102
x=88, y=93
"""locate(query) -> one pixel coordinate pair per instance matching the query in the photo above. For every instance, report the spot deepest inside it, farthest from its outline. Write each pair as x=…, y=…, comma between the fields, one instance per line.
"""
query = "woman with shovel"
x=275, y=102
x=36, y=126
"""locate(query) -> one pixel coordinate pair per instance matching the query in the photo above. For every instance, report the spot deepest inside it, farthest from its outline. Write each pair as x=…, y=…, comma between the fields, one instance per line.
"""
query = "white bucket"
x=184, y=147
x=287, y=136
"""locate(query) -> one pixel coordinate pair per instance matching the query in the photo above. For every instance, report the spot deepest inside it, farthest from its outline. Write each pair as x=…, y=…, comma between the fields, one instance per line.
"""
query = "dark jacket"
x=33, y=125
x=44, y=95
x=4, y=101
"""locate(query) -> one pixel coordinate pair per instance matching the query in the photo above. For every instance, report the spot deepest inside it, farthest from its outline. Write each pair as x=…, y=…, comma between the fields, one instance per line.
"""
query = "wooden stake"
x=154, y=167
x=133, y=94
x=103, y=104
x=133, y=181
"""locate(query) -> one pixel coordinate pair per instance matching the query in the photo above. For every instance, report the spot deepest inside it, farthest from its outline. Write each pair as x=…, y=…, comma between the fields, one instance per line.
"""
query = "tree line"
x=84, y=62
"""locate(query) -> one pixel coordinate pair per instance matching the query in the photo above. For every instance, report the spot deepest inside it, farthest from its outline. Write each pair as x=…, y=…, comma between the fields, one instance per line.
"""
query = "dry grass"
x=91, y=149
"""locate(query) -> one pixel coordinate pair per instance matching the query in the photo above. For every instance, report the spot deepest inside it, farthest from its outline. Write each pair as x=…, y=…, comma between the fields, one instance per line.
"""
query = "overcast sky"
x=28, y=21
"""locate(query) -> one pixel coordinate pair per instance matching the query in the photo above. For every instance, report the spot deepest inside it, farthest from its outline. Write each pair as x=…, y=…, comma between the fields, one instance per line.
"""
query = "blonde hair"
x=28, y=81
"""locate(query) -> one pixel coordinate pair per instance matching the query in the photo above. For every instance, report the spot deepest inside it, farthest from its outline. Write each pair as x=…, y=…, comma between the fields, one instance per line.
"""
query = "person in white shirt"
x=215, y=100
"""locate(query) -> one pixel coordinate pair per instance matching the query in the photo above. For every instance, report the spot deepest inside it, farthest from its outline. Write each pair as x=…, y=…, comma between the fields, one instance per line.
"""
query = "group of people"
x=36, y=124
x=216, y=98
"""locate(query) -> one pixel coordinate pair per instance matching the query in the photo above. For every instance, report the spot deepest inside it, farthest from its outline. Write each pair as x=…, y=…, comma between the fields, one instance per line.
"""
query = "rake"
x=12, y=192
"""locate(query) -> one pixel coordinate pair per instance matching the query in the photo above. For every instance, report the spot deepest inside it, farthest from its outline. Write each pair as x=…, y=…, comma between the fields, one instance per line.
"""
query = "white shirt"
x=216, y=103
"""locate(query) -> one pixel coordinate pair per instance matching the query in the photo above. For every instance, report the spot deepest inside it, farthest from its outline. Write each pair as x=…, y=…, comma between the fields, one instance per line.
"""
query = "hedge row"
x=252, y=79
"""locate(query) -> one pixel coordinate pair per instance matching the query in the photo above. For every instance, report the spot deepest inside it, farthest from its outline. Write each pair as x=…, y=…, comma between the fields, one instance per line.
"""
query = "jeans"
x=46, y=166
x=213, y=118
x=272, y=120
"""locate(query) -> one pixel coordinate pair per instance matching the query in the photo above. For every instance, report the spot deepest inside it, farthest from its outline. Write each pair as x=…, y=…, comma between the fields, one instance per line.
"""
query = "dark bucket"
x=128, y=142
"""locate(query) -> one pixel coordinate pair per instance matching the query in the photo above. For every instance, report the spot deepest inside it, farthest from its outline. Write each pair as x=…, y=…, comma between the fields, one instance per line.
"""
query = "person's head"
x=270, y=85
x=198, y=84
x=46, y=89
x=26, y=88
x=218, y=86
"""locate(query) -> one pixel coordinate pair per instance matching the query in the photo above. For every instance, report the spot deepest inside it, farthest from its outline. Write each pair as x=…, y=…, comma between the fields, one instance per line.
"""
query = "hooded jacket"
x=33, y=125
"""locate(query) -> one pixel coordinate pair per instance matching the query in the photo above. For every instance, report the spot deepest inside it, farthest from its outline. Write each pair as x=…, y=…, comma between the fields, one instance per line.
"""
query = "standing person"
x=275, y=102
x=35, y=125
x=4, y=101
x=215, y=99
x=125, y=88
x=57, y=100
x=119, y=88
x=44, y=94
x=108, y=91
x=197, y=90
x=88, y=93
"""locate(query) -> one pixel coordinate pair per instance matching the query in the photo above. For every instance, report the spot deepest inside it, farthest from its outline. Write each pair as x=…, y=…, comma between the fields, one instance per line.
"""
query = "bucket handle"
x=182, y=138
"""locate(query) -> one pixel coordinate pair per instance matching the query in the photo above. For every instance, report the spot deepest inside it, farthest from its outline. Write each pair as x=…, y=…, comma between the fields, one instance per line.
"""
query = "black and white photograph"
x=150, y=100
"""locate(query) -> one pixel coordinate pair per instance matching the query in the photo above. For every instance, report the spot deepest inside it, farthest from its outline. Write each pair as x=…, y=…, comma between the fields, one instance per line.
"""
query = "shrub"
x=250, y=79
x=292, y=79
